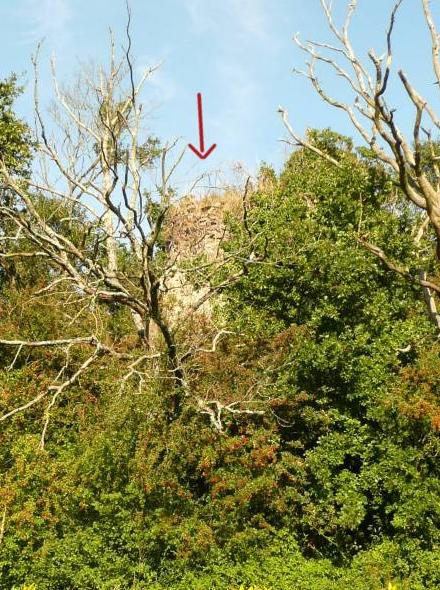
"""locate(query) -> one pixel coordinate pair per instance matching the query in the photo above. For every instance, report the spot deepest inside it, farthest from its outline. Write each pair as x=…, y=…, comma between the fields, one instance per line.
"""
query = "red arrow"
x=201, y=153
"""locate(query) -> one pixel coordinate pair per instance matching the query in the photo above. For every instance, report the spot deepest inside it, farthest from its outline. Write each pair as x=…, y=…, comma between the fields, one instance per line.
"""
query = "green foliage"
x=338, y=321
x=336, y=486
x=15, y=143
x=15, y=153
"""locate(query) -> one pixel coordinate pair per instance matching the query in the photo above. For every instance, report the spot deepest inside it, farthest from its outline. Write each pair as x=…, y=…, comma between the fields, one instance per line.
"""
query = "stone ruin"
x=194, y=233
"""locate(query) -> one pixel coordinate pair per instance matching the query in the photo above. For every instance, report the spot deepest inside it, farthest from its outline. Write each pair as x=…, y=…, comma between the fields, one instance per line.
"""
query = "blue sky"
x=238, y=53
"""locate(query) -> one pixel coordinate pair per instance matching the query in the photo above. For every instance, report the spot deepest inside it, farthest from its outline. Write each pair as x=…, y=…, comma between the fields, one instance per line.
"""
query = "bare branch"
x=303, y=142
x=58, y=389
x=435, y=38
x=48, y=343
x=402, y=271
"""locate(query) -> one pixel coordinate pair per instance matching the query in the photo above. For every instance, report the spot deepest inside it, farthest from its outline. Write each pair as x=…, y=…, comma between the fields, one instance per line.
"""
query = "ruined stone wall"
x=195, y=228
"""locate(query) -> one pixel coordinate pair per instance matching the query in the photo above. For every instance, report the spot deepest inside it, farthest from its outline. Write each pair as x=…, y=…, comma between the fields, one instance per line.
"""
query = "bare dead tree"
x=94, y=162
x=375, y=119
x=98, y=168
